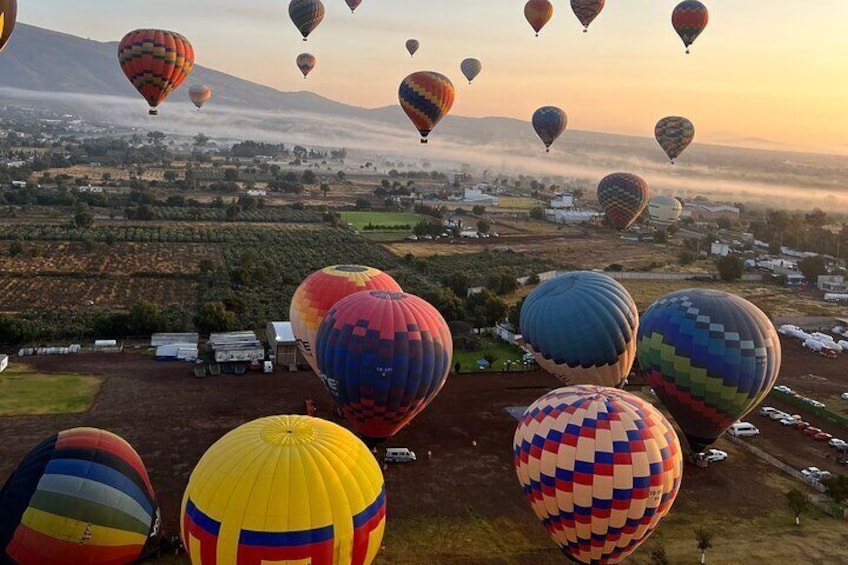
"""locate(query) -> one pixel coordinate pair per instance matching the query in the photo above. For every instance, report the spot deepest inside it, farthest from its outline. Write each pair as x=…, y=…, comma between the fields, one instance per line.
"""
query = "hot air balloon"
x=306, y=15
x=710, y=356
x=81, y=497
x=412, y=46
x=549, y=123
x=470, y=68
x=689, y=19
x=156, y=62
x=538, y=13
x=581, y=328
x=285, y=489
x=664, y=210
x=321, y=290
x=200, y=94
x=383, y=356
x=623, y=196
x=306, y=62
x=600, y=467
x=426, y=97
x=353, y=4
x=8, y=17
x=586, y=11
x=674, y=134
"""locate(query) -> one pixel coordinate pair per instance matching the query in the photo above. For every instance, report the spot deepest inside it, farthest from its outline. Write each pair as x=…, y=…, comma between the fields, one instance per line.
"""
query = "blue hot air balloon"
x=581, y=327
x=549, y=123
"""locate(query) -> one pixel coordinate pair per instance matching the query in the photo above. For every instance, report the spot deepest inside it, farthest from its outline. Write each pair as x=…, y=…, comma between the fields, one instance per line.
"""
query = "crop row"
x=265, y=215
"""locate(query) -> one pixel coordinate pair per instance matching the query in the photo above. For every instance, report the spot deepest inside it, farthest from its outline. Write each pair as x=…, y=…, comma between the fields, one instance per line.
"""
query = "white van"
x=743, y=429
x=399, y=455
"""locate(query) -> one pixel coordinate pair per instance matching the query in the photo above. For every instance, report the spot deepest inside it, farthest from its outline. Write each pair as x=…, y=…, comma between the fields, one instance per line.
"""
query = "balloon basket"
x=153, y=112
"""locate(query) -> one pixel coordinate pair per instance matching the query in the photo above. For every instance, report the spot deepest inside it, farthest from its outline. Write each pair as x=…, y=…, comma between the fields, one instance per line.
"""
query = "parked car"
x=766, y=410
x=823, y=436
x=801, y=425
x=836, y=442
x=783, y=388
x=844, y=396
x=812, y=474
x=778, y=415
x=399, y=455
x=743, y=429
x=810, y=471
x=814, y=403
x=788, y=421
x=812, y=430
x=713, y=455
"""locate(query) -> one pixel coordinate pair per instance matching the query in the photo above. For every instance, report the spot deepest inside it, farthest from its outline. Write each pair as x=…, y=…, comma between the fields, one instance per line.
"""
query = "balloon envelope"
x=81, y=497
x=674, y=134
x=600, y=467
x=156, y=62
x=426, y=97
x=412, y=46
x=623, y=196
x=8, y=17
x=587, y=10
x=549, y=123
x=353, y=4
x=285, y=489
x=710, y=356
x=383, y=356
x=200, y=94
x=664, y=210
x=321, y=290
x=689, y=19
x=581, y=328
x=538, y=13
x=306, y=62
x=470, y=68
x=306, y=15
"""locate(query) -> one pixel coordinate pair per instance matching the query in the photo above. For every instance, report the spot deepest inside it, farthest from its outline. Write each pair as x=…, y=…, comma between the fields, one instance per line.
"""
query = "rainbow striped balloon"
x=426, y=97
x=383, y=356
x=321, y=290
x=80, y=497
x=156, y=62
x=285, y=489
x=600, y=467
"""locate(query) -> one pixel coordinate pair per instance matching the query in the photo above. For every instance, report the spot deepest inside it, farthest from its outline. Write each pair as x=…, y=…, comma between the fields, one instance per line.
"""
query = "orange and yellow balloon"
x=538, y=13
x=8, y=17
x=306, y=62
x=200, y=94
x=156, y=62
x=426, y=97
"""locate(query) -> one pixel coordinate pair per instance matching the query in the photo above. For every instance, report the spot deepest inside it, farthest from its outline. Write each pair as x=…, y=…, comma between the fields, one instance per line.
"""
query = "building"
x=832, y=283
x=476, y=197
x=563, y=201
x=712, y=212
x=235, y=347
x=282, y=345
x=572, y=217
x=719, y=249
x=157, y=340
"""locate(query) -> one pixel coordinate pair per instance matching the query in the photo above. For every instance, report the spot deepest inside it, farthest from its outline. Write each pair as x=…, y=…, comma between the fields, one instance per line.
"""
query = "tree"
x=155, y=137
x=659, y=556
x=812, y=267
x=478, y=210
x=686, y=257
x=170, y=175
x=483, y=226
x=200, y=140
x=16, y=248
x=798, y=503
x=724, y=223
x=537, y=213
x=340, y=175
x=730, y=268
x=214, y=317
x=836, y=488
x=309, y=177
x=144, y=319
x=458, y=282
x=363, y=204
x=83, y=219
x=325, y=188
x=704, y=538
x=230, y=175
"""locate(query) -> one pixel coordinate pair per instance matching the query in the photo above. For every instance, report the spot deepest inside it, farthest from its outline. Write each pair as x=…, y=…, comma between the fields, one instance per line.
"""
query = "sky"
x=765, y=73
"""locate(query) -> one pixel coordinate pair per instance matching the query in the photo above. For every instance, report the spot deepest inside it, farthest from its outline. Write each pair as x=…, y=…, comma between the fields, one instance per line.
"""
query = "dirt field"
x=464, y=505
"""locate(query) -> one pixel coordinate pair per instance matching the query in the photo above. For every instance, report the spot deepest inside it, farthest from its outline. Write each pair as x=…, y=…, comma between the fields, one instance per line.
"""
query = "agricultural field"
x=398, y=224
x=494, y=351
x=519, y=203
x=25, y=391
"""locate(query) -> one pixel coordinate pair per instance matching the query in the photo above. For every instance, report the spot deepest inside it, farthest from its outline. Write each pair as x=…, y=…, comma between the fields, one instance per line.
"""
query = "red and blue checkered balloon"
x=689, y=19
x=383, y=356
x=600, y=467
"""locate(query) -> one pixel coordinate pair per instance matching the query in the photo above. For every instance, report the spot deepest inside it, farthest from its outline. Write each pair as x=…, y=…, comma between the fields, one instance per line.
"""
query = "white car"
x=713, y=455
x=788, y=421
x=812, y=474
x=844, y=396
x=766, y=410
x=814, y=403
x=783, y=388
x=836, y=442
x=779, y=415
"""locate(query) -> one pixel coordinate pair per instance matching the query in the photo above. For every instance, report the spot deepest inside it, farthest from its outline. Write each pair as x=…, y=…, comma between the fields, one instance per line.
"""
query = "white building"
x=476, y=197
x=283, y=345
x=572, y=217
x=719, y=249
x=832, y=283
x=563, y=201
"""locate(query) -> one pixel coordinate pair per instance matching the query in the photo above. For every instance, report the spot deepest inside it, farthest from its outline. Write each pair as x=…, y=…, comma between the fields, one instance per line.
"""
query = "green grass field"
x=26, y=392
x=358, y=221
x=500, y=350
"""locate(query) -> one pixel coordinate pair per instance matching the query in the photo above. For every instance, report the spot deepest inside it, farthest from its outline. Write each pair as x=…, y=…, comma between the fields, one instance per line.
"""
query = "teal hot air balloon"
x=674, y=134
x=549, y=123
x=306, y=15
x=623, y=196
x=710, y=356
x=581, y=327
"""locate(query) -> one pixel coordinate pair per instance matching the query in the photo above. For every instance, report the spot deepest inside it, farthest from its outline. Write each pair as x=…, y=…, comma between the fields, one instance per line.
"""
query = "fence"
x=823, y=413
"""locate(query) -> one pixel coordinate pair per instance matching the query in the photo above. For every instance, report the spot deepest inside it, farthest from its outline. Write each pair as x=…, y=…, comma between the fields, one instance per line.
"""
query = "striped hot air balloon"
x=383, y=356
x=600, y=467
x=306, y=15
x=8, y=17
x=306, y=62
x=623, y=196
x=321, y=290
x=156, y=62
x=586, y=11
x=674, y=134
x=549, y=123
x=426, y=97
x=689, y=19
x=285, y=489
x=538, y=13
x=81, y=497
x=200, y=94
x=470, y=68
x=710, y=356
x=581, y=328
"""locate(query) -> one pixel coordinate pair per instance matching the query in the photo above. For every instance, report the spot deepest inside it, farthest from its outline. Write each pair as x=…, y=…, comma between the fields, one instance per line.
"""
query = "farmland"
x=397, y=225
x=24, y=391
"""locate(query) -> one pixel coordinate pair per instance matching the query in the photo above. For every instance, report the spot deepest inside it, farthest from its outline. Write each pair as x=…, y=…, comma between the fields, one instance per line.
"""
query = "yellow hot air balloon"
x=285, y=489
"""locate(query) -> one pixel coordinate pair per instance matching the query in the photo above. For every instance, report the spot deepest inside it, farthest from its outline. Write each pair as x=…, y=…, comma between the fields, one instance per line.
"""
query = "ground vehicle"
x=399, y=455
x=743, y=429
x=836, y=442
x=766, y=410
x=783, y=388
x=844, y=396
x=788, y=421
x=823, y=436
x=815, y=474
x=713, y=455
x=814, y=403
x=801, y=425
x=811, y=431
x=779, y=415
